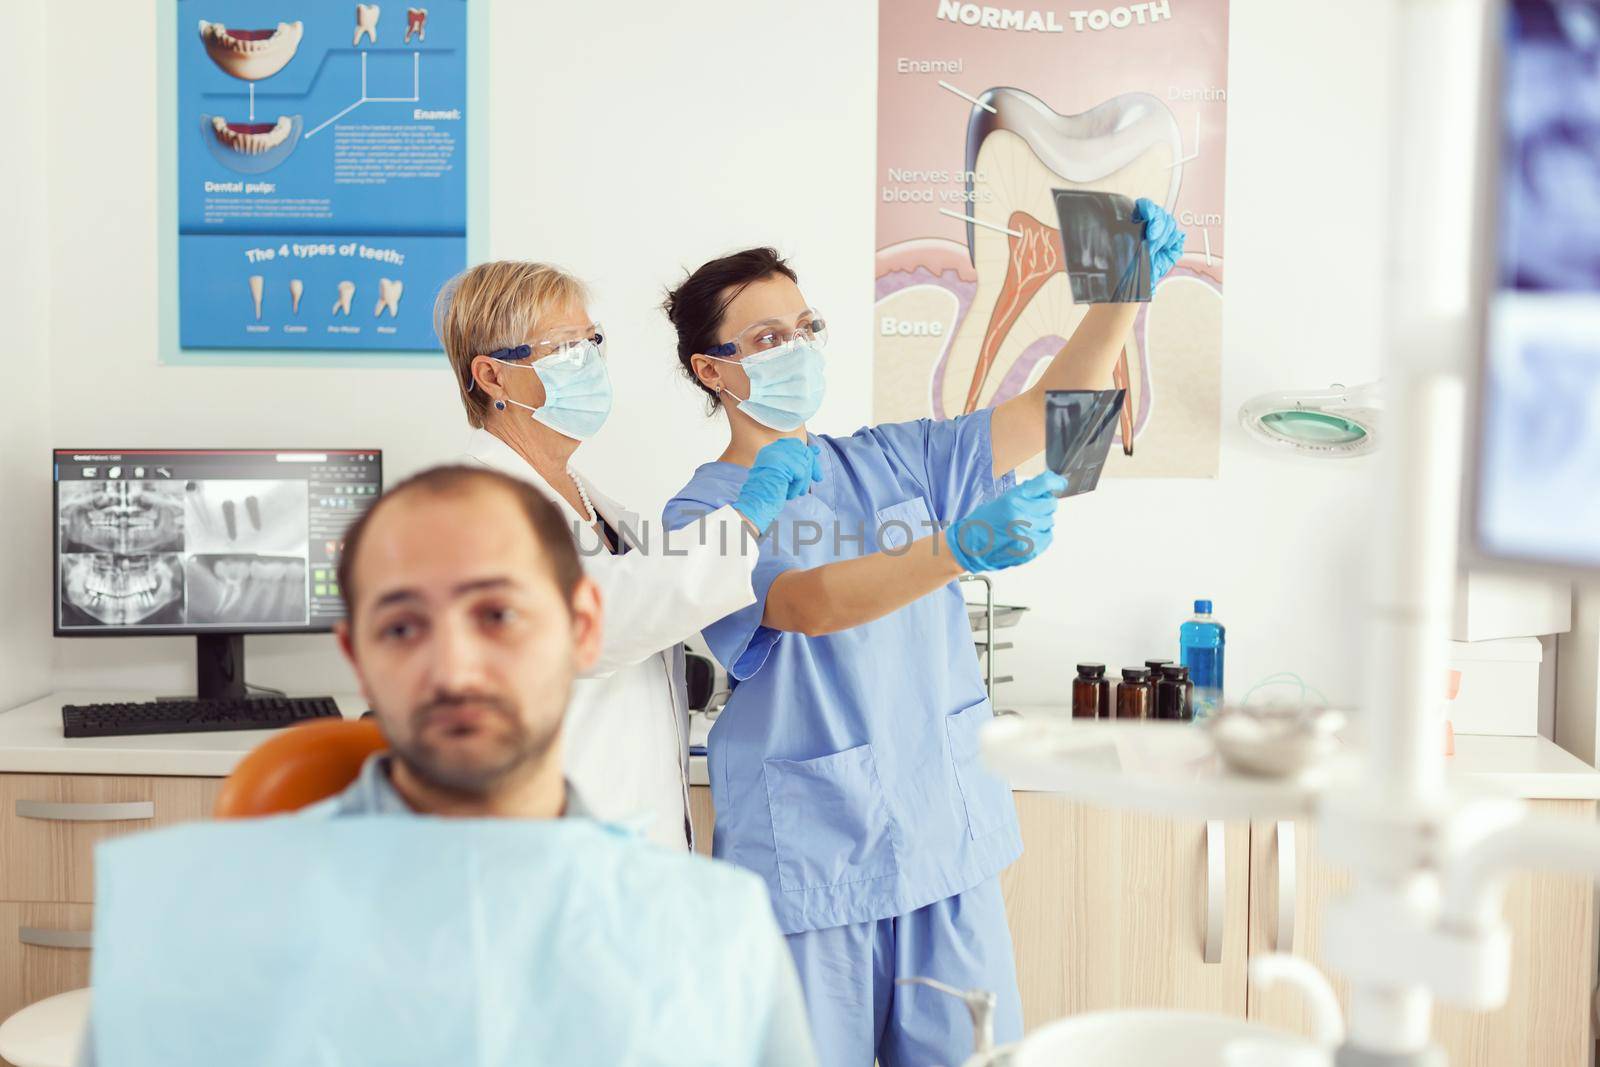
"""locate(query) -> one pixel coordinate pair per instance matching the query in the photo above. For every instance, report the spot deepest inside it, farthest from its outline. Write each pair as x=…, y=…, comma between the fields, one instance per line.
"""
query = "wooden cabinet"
x=49, y=825
x=1108, y=910
x=1546, y=1019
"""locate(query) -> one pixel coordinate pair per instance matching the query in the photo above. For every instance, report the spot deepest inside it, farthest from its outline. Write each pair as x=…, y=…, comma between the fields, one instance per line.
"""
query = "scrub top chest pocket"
x=900, y=524
x=987, y=798
x=830, y=822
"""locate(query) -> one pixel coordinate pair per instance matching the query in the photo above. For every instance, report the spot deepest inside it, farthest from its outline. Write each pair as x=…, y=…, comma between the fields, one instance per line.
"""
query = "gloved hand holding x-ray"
x=1115, y=250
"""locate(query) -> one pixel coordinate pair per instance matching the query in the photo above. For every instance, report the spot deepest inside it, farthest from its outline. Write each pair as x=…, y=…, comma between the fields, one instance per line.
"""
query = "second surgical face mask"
x=787, y=385
x=577, y=391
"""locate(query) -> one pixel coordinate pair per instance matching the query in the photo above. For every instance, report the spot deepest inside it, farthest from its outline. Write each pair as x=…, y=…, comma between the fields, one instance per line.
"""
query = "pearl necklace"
x=592, y=515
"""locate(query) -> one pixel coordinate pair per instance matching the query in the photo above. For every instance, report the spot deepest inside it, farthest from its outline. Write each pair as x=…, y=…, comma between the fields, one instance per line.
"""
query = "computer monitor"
x=1534, y=496
x=214, y=543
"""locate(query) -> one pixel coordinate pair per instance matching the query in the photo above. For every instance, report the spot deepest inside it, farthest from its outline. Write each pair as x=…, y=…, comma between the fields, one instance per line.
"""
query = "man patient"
x=503, y=926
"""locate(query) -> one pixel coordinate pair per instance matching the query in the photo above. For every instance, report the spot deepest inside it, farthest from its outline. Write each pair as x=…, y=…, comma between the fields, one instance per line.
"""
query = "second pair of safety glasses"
x=773, y=333
x=557, y=349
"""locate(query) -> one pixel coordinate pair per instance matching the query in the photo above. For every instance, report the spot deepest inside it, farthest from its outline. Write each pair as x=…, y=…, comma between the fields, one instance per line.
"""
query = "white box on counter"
x=1499, y=686
x=1490, y=606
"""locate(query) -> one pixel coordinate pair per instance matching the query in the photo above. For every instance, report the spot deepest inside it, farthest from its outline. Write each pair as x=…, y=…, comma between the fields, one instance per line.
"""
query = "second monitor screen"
x=197, y=541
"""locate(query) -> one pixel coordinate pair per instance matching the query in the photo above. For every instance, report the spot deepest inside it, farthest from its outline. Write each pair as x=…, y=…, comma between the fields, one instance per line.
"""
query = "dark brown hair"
x=696, y=307
x=549, y=528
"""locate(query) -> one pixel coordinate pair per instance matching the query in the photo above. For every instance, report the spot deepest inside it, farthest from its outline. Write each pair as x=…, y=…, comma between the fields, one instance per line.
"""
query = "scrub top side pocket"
x=830, y=822
x=900, y=524
x=987, y=798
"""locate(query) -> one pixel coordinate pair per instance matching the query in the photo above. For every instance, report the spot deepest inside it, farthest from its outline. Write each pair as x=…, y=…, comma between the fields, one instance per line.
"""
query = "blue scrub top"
x=845, y=768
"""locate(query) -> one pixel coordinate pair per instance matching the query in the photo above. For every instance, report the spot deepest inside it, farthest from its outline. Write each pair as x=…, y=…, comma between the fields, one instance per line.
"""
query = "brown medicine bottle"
x=1134, y=696
x=1091, y=692
x=1175, y=694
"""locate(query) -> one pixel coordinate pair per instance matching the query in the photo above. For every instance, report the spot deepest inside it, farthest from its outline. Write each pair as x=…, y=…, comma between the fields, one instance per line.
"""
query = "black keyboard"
x=192, y=716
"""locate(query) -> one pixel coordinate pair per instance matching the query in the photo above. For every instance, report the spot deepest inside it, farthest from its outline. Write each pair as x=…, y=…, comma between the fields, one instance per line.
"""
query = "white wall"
x=25, y=412
x=631, y=141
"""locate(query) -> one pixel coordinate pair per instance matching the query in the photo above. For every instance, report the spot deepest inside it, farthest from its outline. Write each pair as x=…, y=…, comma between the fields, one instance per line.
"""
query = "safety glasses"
x=773, y=333
x=557, y=349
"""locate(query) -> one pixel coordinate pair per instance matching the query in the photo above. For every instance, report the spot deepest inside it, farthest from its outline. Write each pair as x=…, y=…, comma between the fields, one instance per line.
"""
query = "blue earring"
x=500, y=405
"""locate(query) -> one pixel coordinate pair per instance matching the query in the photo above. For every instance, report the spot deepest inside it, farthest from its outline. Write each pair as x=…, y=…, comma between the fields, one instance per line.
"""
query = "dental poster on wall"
x=985, y=114
x=322, y=172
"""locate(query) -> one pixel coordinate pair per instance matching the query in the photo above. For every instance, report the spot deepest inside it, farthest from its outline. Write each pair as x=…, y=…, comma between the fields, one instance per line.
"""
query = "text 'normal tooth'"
x=251, y=55
x=366, y=23
x=296, y=287
x=416, y=23
x=256, y=284
x=388, y=297
x=341, y=306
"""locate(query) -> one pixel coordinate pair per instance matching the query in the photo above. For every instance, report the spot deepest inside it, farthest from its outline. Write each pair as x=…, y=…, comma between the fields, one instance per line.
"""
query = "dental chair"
x=293, y=769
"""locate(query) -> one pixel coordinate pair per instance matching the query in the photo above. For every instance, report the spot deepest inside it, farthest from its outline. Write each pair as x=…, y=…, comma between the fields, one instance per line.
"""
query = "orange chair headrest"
x=299, y=766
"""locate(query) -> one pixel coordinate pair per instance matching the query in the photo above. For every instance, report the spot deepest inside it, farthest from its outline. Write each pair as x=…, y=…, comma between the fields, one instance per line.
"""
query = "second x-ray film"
x=1079, y=425
x=1107, y=259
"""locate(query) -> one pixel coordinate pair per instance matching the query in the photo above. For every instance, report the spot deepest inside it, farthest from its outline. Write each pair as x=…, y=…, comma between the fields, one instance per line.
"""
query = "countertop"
x=31, y=743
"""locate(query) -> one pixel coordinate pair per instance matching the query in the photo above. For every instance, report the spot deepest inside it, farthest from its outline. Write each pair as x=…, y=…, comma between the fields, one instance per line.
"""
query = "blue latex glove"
x=783, y=470
x=1161, y=233
x=1009, y=530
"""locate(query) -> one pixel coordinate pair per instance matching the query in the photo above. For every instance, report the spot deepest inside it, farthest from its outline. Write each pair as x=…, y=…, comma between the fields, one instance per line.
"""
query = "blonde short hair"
x=497, y=305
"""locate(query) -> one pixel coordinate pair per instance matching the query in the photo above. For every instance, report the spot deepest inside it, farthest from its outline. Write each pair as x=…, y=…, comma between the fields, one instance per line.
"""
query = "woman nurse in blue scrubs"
x=845, y=766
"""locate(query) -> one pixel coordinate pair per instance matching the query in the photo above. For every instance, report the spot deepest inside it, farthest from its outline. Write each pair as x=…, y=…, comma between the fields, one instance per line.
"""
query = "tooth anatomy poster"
x=321, y=170
x=986, y=113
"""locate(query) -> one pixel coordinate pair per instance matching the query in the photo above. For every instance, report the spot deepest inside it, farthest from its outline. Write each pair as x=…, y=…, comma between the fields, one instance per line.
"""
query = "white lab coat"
x=627, y=726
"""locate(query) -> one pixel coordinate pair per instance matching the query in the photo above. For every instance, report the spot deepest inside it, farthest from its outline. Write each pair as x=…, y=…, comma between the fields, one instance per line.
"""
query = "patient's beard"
x=519, y=752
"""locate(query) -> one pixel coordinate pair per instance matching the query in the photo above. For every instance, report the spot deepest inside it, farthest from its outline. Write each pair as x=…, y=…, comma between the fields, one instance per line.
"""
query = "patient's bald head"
x=468, y=618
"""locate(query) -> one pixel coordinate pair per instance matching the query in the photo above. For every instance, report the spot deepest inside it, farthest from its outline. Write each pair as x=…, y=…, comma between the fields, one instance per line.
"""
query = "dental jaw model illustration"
x=249, y=146
x=251, y=54
x=341, y=306
x=366, y=23
x=1019, y=152
x=416, y=23
x=296, y=288
x=256, y=284
x=388, y=297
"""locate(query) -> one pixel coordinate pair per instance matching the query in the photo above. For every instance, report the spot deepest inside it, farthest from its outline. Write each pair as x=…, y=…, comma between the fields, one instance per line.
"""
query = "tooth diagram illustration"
x=366, y=23
x=250, y=147
x=252, y=138
x=250, y=55
x=256, y=284
x=296, y=287
x=1022, y=150
x=416, y=23
x=388, y=297
x=341, y=306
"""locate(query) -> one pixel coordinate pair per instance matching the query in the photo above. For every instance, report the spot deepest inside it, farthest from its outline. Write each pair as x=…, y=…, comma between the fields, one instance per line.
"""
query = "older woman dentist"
x=530, y=365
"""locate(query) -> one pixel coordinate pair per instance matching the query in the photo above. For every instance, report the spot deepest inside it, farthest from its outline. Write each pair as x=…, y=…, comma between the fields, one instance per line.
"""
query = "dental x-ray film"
x=1108, y=260
x=1078, y=431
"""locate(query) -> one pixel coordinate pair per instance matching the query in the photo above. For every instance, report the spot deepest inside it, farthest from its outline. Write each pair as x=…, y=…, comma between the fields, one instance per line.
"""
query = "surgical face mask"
x=786, y=384
x=577, y=391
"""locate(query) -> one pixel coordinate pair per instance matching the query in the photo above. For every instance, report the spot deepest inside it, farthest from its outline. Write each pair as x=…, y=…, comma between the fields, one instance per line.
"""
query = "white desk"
x=31, y=742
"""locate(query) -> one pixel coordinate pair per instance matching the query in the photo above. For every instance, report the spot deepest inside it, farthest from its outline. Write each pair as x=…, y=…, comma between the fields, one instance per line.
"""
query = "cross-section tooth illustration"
x=341, y=306
x=388, y=297
x=250, y=54
x=366, y=23
x=250, y=147
x=1019, y=151
x=257, y=282
x=296, y=287
x=416, y=23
